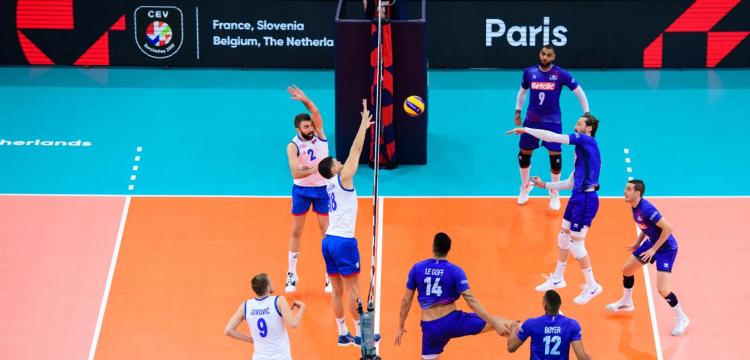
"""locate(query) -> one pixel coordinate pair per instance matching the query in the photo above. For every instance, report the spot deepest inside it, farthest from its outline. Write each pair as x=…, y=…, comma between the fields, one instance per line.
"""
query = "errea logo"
x=524, y=35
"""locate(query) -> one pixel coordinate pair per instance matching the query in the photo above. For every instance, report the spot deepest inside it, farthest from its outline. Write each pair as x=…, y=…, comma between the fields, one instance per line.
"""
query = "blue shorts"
x=437, y=333
x=341, y=255
x=303, y=196
x=581, y=209
x=664, y=257
x=528, y=142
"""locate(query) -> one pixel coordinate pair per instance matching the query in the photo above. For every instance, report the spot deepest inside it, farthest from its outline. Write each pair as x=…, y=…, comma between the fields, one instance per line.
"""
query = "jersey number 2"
x=312, y=154
x=555, y=342
x=433, y=289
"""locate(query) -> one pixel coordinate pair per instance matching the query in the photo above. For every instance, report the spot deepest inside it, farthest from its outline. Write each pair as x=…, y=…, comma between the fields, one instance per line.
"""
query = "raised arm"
x=352, y=162
x=582, y=99
x=235, y=321
x=291, y=318
x=403, y=314
x=317, y=120
x=298, y=171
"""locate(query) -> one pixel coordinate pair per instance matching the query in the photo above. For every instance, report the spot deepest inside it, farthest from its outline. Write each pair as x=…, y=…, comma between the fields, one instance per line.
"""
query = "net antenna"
x=369, y=351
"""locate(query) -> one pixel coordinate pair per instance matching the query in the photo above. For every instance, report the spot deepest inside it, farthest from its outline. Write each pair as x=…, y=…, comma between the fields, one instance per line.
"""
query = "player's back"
x=342, y=214
x=551, y=336
x=588, y=161
x=437, y=281
x=270, y=339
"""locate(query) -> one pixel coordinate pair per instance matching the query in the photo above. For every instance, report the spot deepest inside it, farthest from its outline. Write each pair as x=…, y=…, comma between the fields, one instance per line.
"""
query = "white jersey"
x=309, y=153
x=342, y=213
x=267, y=328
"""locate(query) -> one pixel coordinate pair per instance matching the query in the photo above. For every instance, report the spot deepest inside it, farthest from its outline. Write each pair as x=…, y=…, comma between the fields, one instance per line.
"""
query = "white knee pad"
x=578, y=248
x=563, y=240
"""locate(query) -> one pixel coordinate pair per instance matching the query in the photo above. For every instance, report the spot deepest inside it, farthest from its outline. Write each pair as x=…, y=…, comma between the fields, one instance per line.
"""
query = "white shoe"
x=523, y=196
x=328, y=288
x=620, y=305
x=551, y=283
x=291, y=282
x=554, y=201
x=588, y=294
x=681, y=326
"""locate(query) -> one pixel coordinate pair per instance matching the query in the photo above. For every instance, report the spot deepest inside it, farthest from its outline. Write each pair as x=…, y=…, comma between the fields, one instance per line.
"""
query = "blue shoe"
x=346, y=340
x=358, y=339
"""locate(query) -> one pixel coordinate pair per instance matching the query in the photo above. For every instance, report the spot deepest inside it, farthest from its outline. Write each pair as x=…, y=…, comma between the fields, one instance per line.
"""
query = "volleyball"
x=413, y=105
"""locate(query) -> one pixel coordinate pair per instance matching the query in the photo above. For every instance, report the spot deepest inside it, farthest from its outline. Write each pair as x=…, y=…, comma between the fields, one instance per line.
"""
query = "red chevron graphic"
x=702, y=16
x=58, y=15
x=720, y=44
x=32, y=52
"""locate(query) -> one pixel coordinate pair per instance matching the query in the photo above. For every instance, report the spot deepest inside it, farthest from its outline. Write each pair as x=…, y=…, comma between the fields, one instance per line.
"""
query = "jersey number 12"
x=554, y=341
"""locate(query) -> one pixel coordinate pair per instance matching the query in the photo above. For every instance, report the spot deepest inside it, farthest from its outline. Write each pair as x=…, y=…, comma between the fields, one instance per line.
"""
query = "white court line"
x=379, y=271
x=108, y=284
x=647, y=283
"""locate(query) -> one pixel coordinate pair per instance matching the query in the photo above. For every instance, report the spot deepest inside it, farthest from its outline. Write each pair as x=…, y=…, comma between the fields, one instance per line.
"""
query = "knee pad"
x=524, y=160
x=578, y=248
x=563, y=240
x=555, y=163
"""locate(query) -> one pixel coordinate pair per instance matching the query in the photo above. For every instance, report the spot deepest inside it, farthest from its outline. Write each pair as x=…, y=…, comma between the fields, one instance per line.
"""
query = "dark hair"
x=441, y=245
x=324, y=167
x=553, y=301
x=592, y=121
x=638, y=185
x=300, y=118
x=548, y=47
x=260, y=283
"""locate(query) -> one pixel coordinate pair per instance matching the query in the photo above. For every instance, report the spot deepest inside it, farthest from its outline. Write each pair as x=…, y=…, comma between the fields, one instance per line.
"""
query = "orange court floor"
x=182, y=266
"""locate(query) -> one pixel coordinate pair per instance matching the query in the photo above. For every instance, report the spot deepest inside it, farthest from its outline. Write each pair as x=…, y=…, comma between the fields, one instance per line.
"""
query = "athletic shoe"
x=681, y=326
x=620, y=305
x=358, y=339
x=328, y=288
x=523, y=196
x=588, y=294
x=291, y=282
x=554, y=201
x=551, y=283
x=346, y=340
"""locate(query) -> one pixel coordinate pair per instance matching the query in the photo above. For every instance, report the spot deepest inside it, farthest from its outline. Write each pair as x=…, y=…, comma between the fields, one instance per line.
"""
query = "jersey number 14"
x=433, y=289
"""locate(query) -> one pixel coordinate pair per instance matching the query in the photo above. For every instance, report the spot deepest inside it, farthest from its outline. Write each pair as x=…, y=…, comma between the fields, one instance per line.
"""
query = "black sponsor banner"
x=301, y=33
x=274, y=33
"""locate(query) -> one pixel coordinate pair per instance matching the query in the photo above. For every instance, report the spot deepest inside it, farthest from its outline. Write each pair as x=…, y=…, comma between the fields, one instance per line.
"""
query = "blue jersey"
x=437, y=282
x=588, y=161
x=646, y=216
x=551, y=336
x=546, y=86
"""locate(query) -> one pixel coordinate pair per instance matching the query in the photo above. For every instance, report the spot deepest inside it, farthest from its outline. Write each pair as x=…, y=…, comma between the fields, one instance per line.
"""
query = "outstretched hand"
x=366, y=116
x=297, y=93
x=516, y=131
